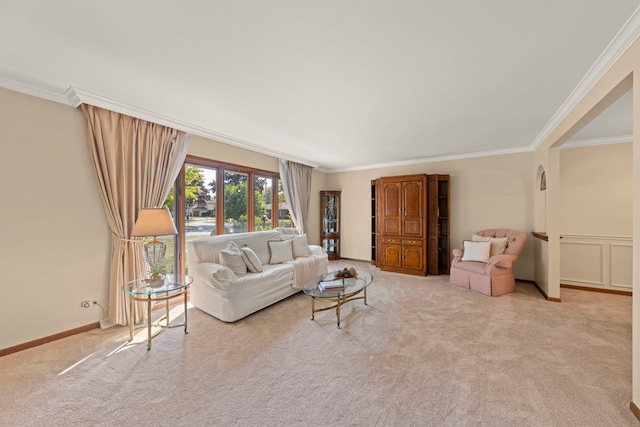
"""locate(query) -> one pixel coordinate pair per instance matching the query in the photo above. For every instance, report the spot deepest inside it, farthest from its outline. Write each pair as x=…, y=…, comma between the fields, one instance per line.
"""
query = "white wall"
x=57, y=241
x=596, y=190
x=60, y=241
x=486, y=192
x=596, y=216
x=53, y=228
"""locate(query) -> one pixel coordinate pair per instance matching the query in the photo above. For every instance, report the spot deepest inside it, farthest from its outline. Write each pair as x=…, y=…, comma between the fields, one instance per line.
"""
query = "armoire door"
x=413, y=208
x=391, y=208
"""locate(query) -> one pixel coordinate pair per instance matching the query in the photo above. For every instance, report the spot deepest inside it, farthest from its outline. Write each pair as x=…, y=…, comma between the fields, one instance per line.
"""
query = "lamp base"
x=153, y=252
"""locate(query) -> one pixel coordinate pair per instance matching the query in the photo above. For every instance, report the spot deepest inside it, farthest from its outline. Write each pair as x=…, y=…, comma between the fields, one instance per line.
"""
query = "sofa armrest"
x=457, y=256
x=503, y=261
x=213, y=273
x=316, y=250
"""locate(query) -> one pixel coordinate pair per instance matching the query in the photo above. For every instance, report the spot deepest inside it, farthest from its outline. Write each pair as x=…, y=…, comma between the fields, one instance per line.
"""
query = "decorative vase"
x=156, y=280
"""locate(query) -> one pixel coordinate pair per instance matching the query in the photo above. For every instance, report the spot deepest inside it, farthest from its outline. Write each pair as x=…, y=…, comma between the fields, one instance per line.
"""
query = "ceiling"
x=335, y=84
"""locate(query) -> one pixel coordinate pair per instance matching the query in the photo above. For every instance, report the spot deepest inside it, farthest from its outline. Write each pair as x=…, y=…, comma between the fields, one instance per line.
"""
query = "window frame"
x=221, y=168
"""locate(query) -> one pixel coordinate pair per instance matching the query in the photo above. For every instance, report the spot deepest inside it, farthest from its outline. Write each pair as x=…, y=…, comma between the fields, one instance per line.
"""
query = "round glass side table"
x=172, y=286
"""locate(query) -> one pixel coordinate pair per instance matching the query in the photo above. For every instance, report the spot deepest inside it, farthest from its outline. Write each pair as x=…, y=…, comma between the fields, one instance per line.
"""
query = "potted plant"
x=156, y=276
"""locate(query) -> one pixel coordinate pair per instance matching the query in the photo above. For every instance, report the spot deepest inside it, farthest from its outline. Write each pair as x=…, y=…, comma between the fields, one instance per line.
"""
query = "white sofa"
x=220, y=292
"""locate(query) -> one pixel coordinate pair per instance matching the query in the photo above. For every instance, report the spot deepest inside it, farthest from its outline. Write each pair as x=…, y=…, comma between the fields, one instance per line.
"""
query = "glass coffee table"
x=172, y=286
x=353, y=287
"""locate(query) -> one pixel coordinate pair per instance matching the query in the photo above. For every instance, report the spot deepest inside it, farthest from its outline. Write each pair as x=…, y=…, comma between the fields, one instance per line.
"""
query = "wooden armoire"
x=410, y=224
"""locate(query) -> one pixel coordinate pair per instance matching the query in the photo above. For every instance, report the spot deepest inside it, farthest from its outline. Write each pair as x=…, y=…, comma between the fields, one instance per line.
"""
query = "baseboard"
x=44, y=340
x=635, y=410
x=102, y=324
x=542, y=292
x=601, y=290
x=355, y=259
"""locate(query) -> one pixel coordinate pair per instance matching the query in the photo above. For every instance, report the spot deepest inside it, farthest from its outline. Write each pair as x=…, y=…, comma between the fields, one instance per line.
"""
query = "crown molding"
x=597, y=141
x=32, y=90
x=620, y=43
x=75, y=97
x=431, y=159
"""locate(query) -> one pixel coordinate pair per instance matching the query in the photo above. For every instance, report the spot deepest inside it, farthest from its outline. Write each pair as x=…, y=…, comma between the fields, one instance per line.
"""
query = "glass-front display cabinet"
x=330, y=227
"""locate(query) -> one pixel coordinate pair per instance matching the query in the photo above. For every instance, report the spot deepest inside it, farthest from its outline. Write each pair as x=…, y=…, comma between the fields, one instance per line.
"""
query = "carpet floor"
x=421, y=353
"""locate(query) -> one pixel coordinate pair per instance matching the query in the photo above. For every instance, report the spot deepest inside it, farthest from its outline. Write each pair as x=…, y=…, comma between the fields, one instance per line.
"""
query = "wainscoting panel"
x=603, y=262
x=621, y=265
x=582, y=262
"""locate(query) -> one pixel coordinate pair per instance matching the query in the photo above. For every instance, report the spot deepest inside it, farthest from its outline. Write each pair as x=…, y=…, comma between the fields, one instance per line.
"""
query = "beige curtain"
x=296, y=183
x=136, y=163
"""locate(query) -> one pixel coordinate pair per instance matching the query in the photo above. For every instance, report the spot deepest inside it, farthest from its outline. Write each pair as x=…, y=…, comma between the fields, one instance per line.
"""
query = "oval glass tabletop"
x=351, y=285
x=170, y=283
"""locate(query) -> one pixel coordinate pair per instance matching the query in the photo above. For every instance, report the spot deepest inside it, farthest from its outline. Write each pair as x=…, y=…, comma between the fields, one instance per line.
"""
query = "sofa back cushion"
x=516, y=238
x=498, y=244
x=207, y=249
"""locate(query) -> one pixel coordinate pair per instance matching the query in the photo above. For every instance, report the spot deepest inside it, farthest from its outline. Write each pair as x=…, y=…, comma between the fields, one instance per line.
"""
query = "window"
x=219, y=198
x=236, y=198
x=263, y=202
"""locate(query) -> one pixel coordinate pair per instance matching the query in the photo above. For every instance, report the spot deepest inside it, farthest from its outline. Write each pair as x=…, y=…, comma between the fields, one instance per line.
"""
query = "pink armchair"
x=495, y=276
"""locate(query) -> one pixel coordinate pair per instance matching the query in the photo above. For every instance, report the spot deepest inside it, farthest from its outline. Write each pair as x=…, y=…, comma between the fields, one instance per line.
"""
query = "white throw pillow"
x=498, y=244
x=231, y=257
x=223, y=275
x=251, y=259
x=281, y=251
x=476, y=251
x=300, y=246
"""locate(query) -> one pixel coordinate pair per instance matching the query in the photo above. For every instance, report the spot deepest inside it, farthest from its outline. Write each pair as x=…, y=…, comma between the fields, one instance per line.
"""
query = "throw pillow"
x=498, y=244
x=223, y=275
x=300, y=246
x=476, y=251
x=251, y=259
x=281, y=251
x=231, y=257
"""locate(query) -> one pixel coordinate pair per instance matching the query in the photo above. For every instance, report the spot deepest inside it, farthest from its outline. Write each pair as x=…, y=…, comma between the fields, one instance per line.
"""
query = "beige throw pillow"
x=281, y=251
x=476, y=251
x=251, y=259
x=300, y=246
x=498, y=244
x=231, y=257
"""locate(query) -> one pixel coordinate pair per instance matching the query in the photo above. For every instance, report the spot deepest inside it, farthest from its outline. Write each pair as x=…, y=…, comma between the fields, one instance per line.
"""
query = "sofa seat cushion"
x=482, y=268
x=472, y=266
x=277, y=273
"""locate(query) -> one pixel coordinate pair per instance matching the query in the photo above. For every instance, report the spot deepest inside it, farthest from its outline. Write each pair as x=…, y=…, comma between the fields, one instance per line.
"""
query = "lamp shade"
x=154, y=222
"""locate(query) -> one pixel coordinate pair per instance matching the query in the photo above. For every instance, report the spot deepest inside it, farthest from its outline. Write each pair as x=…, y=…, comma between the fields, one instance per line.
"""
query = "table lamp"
x=154, y=222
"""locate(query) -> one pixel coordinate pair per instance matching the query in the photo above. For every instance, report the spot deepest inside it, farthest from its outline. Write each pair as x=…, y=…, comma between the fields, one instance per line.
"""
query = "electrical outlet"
x=86, y=304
